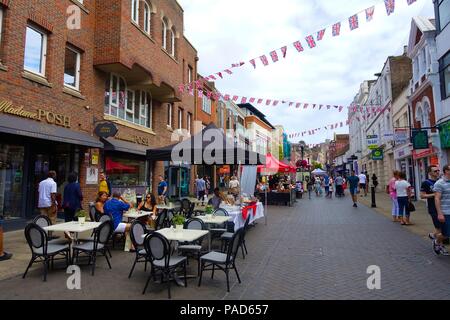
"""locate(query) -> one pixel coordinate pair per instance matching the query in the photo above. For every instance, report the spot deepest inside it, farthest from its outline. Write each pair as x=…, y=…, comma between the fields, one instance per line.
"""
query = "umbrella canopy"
x=273, y=165
x=116, y=166
x=209, y=147
x=319, y=172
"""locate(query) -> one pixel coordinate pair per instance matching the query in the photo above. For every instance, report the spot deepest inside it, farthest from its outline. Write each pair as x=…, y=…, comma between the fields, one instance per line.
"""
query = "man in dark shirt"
x=353, y=182
x=426, y=192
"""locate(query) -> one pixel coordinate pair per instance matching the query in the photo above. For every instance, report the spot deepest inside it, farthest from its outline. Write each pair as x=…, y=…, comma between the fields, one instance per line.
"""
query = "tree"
x=317, y=165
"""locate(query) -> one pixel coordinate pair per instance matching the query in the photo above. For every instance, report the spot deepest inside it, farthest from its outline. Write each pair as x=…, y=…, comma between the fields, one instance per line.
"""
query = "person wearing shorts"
x=442, y=200
x=353, y=182
x=427, y=193
x=362, y=183
x=116, y=207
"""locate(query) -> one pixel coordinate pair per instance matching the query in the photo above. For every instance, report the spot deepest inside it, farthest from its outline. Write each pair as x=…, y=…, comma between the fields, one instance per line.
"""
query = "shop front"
x=423, y=159
x=30, y=147
x=404, y=161
x=178, y=178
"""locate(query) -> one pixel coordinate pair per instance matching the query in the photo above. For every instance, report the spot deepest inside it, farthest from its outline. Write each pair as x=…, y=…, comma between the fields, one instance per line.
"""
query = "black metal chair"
x=227, y=236
x=223, y=261
x=195, y=247
x=161, y=220
x=222, y=228
x=138, y=230
x=44, y=221
x=92, y=212
x=41, y=249
x=186, y=206
x=91, y=248
x=158, y=250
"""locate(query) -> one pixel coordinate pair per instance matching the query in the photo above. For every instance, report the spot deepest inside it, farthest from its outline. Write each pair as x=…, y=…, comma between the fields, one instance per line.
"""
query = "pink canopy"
x=273, y=165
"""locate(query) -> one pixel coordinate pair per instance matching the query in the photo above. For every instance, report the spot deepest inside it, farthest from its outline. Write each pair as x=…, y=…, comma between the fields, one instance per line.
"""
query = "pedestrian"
x=162, y=190
x=310, y=185
x=326, y=183
x=201, y=188
x=208, y=185
x=3, y=254
x=339, y=181
x=393, y=195
x=353, y=182
x=331, y=187
x=217, y=199
x=367, y=182
x=234, y=186
x=72, y=198
x=318, y=184
x=47, y=204
x=442, y=202
x=363, y=183
x=427, y=193
x=104, y=185
x=403, y=189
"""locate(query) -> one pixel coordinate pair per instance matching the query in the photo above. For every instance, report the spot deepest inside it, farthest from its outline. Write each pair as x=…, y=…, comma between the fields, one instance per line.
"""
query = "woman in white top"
x=403, y=189
x=234, y=186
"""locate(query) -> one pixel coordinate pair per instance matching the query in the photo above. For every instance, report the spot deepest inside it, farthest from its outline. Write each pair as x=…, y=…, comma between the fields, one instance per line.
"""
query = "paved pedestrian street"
x=318, y=249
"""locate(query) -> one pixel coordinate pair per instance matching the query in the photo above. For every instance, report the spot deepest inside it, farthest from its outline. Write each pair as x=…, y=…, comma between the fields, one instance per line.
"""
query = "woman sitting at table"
x=149, y=205
x=217, y=199
x=102, y=197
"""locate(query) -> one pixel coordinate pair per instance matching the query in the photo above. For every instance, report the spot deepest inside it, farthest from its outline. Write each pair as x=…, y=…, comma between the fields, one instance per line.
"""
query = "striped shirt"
x=443, y=187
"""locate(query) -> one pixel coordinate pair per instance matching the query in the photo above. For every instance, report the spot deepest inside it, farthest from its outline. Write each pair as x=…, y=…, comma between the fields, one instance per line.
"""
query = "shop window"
x=72, y=68
x=126, y=173
x=135, y=10
x=35, y=50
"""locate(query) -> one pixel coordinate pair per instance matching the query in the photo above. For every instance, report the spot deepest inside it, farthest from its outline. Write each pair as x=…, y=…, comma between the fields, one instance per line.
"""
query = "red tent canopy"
x=274, y=165
x=112, y=166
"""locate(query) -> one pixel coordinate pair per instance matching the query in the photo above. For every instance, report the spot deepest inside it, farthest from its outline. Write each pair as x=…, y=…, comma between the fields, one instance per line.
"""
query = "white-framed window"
x=164, y=33
x=172, y=43
x=169, y=114
x=190, y=73
x=423, y=114
x=123, y=103
x=147, y=18
x=72, y=68
x=180, y=118
x=35, y=50
x=135, y=10
x=206, y=104
x=188, y=122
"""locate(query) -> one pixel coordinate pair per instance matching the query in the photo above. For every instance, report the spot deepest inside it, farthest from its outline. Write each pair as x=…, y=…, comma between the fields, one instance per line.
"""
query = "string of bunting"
x=311, y=42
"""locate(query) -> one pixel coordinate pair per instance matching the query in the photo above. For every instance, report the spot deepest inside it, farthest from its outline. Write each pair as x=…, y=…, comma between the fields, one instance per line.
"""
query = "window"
x=444, y=13
x=135, y=10
x=188, y=122
x=172, y=43
x=444, y=64
x=423, y=114
x=72, y=68
x=169, y=114
x=147, y=18
x=164, y=33
x=180, y=118
x=206, y=104
x=1, y=23
x=190, y=73
x=132, y=106
x=35, y=50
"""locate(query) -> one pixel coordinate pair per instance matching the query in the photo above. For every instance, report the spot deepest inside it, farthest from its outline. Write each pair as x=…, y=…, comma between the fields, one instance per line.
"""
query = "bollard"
x=374, y=203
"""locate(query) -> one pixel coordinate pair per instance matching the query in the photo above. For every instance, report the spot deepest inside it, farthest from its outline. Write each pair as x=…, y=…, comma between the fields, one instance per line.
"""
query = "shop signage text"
x=144, y=141
x=373, y=141
x=401, y=136
x=377, y=154
x=420, y=139
x=106, y=130
x=7, y=107
x=424, y=153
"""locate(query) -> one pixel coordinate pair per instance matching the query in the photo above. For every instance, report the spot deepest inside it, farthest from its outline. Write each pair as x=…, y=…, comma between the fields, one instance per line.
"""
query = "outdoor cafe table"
x=136, y=215
x=236, y=213
x=166, y=207
x=184, y=235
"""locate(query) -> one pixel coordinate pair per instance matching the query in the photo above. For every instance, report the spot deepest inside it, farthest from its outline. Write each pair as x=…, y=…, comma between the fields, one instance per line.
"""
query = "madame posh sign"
x=41, y=115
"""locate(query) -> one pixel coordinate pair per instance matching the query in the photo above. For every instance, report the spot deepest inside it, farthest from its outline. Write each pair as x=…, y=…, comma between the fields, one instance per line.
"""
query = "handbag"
x=411, y=207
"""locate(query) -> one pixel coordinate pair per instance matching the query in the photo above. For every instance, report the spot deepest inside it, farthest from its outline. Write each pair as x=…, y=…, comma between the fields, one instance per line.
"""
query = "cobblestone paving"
x=319, y=249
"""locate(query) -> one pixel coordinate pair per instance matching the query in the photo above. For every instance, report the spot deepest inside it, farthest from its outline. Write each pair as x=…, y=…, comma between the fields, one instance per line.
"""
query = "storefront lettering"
x=134, y=139
x=41, y=115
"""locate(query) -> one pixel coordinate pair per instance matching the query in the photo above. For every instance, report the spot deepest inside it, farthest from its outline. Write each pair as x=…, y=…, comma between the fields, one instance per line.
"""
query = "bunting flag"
x=305, y=106
x=328, y=107
x=336, y=29
x=353, y=21
x=390, y=6
x=298, y=46
x=320, y=34
x=200, y=93
x=226, y=97
x=320, y=107
x=298, y=105
x=314, y=106
x=209, y=94
x=274, y=56
x=341, y=108
x=235, y=98
x=228, y=71
x=212, y=77
x=268, y=102
x=220, y=75
x=369, y=13
x=181, y=88
x=260, y=101
x=191, y=92
x=253, y=62
x=310, y=41
x=252, y=100
x=264, y=60
x=410, y=2
x=275, y=103
x=244, y=100
x=284, y=51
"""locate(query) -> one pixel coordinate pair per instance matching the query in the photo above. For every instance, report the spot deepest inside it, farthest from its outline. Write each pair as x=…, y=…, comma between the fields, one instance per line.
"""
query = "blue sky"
x=229, y=31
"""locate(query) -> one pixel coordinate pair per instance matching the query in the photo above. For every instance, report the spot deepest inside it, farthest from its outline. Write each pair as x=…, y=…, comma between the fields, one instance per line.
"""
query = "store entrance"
x=179, y=179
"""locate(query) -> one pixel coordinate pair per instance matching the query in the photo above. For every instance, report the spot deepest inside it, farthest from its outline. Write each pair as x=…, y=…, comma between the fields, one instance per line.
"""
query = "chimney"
x=405, y=50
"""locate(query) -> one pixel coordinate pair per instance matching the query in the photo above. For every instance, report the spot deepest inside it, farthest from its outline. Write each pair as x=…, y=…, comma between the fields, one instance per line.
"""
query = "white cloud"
x=229, y=31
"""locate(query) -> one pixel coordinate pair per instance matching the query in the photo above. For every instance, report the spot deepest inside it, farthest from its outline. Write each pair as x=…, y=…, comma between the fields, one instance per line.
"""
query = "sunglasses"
x=436, y=171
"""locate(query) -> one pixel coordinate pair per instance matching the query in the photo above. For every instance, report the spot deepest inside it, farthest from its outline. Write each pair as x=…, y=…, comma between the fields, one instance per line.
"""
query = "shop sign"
x=106, y=130
x=401, y=136
x=444, y=132
x=91, y=176
x=424, y=153
x=377, y=154
x=420, y=139
x=144, y=141
x=94, y=156
x=373, y=141
x=41, y=115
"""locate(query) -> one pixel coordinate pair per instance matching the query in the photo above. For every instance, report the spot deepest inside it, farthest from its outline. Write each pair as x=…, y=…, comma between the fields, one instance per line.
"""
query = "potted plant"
x=81, y=215
x=179, y=220
x=209, y=210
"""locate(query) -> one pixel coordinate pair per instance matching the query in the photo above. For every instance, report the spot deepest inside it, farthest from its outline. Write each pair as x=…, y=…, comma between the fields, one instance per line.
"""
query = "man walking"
x=363, y=183
x=339, y=186
x=162, y=190
x=353, y=181
x=3, y=254
x=427, y=193
x=442, y=201
x=201, y=188
x=47, y=197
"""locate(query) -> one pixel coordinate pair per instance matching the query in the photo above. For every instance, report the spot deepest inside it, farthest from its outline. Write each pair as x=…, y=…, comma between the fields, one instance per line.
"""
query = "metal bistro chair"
x=161, y=220
x=186, y=206
x=223, y=261
x=138, y=230
x=227, y=236
x=222, y=228
x=41, y=249
x=92, y=248
x=158, y=250
x=196, y=246
x=44, y=221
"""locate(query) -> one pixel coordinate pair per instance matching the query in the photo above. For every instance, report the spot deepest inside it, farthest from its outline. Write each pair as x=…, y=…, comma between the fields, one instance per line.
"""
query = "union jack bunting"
x=212, y=77
x=274, y=56
x=268, y=102
x=220, y=75
x=181, y=88
x=310, y=41
x=244, y=100
x=237, y=65
x=336, y=29
x=290, y=104
x=260, y=101
x=275, y=103
x=369, y=13
x=298, y=46
x=284, y=51
x=305, y=106
x=199, y=84
x=320, y=107
x=253, y=62
x=298, y=105
x=341, y=108
x=410, y=2
x=252, y=100
x=314, y=106
x=320, y=34
x=209, y=94
x=264, y=60
x=390, y=6
x=328, y=107
x=226, y=97
x=235, y=98
x=353, y=21
x=228, y=71
x=200, y=93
